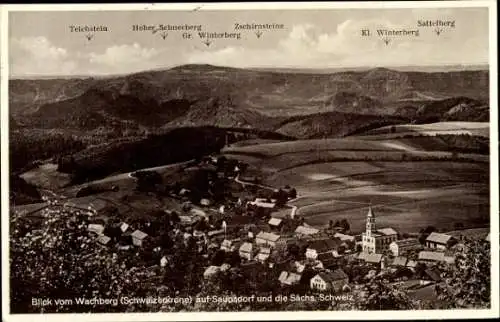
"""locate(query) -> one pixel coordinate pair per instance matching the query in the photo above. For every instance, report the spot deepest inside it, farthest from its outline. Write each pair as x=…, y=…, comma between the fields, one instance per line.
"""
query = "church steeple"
x=370, y=221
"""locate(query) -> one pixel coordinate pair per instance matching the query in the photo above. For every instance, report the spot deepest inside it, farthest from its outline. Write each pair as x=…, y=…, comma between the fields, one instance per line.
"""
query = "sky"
x=41, y=44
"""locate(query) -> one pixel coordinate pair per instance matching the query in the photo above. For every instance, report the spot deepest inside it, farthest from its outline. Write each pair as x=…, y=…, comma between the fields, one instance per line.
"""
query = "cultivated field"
x=338, y=179
x=470, y=128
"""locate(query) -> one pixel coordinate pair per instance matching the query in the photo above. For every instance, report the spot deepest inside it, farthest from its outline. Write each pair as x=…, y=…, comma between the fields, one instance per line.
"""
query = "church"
x=376, y=240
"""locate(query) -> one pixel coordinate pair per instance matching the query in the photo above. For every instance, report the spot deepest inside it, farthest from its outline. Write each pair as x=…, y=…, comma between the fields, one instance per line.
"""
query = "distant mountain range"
x=276, y=100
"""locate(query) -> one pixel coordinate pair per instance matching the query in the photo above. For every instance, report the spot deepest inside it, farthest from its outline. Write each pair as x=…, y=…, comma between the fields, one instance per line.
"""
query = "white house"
x=265, y=238
x=138, y=237
x=329, y=280
x=246, y=251
x=96, y=229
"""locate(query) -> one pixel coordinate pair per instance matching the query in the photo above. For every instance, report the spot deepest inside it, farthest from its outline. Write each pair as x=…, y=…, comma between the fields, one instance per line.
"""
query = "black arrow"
x=164, y=35
x=439, y=31
x=89, y=37
x=387, y=41
x=258, y=33
x=207, y=43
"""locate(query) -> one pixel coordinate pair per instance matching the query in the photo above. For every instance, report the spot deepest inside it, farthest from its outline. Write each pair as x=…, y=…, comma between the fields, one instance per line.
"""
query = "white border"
x=228, y=316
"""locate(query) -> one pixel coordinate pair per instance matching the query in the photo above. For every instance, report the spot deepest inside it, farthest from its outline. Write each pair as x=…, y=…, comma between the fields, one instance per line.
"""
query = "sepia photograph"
x=196, y=159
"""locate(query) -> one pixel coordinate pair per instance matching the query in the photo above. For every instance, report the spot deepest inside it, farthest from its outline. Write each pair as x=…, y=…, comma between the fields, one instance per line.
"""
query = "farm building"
x=431, y=257
x=376, y=240
x=401, y=246
x=262, y=203
x=103, y=240
x=246, y=251
x=138, y=237
x=399, y=261
x=289, y=278
x=302, y=231
x=275, y=223
x=321, y=246
x=96, y=229
x=370, y=258
x=344, y=237
x=439, y=241
x=213, y=233
x=265, y=238
x=329, y=280
x=327, y=259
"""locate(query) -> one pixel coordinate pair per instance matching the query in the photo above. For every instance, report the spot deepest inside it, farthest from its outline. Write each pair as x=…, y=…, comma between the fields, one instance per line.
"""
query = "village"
x=243, y=231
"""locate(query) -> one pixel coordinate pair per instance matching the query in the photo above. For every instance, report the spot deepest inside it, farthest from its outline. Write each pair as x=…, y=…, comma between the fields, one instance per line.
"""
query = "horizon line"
x=298, y=68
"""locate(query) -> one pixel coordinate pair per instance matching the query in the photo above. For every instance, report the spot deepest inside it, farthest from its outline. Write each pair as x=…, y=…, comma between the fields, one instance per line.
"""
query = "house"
x=265, y=238
x=275, y=223
x=228, y=245
x=96, y=229
x=329, y=280
x=163, y=261
x=399, y=261
x=138, y=237
x=122, y=227
x=487, y=238
x=399, y=247
x=431, y=257
x=262, y=203
x=246, y=251
x=327, y=259
x=370, y=258
x=103, y=240
x=439, y=241
x=345, y=238
x=214, y=233
x=263, y=254
x=302, y=231
x=376, y=240
x=320, y=246
x=211, y=271
x=289, y=278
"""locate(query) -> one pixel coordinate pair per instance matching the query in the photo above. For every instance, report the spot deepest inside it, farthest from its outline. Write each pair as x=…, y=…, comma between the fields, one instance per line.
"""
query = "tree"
x=345, y=224
x=377, y=294
x=468, y=284
x=61, y=260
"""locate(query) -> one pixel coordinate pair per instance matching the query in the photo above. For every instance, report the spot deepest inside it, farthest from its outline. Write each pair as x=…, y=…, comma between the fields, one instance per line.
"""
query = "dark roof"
x=408, y=242
x=324, y=245
x=434, y=274
x=326, y=258
x=332, y=276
